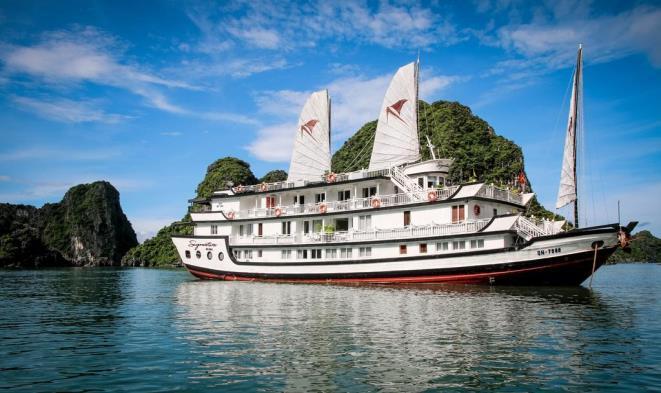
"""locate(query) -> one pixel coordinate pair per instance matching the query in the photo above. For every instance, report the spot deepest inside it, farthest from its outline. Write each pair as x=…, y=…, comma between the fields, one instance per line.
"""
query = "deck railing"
x=493, y=192
x=366, y=235
x=350, y=204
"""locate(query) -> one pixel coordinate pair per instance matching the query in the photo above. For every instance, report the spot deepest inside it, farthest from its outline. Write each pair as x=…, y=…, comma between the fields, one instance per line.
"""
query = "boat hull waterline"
x=564, y=259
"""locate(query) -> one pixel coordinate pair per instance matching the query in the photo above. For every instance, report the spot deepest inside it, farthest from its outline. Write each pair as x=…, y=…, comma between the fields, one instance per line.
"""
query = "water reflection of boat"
x=306, y=337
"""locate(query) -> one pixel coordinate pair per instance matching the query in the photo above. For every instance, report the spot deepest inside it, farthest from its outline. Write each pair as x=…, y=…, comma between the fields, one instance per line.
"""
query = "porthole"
x=188, y=254
x=221, y=256
x=198, y=254
x=209, y=255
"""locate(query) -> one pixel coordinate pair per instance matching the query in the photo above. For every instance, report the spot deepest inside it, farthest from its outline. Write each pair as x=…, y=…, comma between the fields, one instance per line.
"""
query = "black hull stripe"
x=580, y=258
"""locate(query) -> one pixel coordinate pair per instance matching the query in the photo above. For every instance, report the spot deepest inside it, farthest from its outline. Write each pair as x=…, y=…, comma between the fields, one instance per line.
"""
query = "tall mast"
x=577, y=103
x=568, y=191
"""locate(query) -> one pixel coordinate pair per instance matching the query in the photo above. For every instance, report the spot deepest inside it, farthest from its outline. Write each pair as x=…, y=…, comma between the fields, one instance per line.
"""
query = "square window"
x=402, y=249
x=423, y=248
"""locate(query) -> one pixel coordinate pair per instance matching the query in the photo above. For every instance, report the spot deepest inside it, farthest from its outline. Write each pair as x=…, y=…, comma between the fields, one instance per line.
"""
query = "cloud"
x=274, y=143
x=4, y=178
x=50, y=154
x=66, y=111
x=287, y=25
x=87, y=55
x=355, y=101
x=171, y=133
x=35, y=190
x=147, y=227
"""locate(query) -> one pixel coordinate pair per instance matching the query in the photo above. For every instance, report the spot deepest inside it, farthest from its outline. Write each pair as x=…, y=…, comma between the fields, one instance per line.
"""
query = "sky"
x=146, y=94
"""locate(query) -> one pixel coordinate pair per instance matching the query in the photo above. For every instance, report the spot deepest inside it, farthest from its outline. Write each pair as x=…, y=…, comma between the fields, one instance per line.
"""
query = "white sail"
x=311, y=157
x=568, y=192
x=396, y=140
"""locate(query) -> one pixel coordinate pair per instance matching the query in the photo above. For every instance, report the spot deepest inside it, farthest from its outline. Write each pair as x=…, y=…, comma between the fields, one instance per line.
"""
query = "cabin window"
x=248, y=254
x=365, y=251
x=402, y=249
x=331, y=253
x=458, y=213
x=302, y=254
x=407, y=218
x=259, y=253
x=209, y=255
x=214, y=229
x=443, y=246
x=240, y=230
x=187, y=254
x=459, y=245
x=342, y=224
x=421, y=181
x=495, y=212
x=318, y=198
x=396, y=190
x=345, y=252
x=369, y=192
x=478, y=243
x=306, y=226
x=221, y=256
x=260, y=229
x=431, y=181
x=285, y=254
x=198, y=254
x=301, y=199
x=364, y=222
x=237, y=254
x=286, y=227
x=315, y=253
x=343, y=195
x=248, y=229
x=318, y=225
x=270, y=202
x=423, y=248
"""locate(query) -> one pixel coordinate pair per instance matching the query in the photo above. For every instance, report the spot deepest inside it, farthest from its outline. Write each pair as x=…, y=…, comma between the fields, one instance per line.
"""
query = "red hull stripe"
x=456, y=278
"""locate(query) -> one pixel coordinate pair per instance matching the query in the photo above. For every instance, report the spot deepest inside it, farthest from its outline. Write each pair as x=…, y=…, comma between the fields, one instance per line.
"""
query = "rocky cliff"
x=87, y=228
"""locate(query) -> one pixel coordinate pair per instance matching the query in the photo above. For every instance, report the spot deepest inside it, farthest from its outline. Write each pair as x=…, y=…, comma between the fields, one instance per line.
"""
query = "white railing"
x=348, y=205
x=493, y=192
x=266, y=187
x=369, y=235
x=529, y=228
x=405, y=182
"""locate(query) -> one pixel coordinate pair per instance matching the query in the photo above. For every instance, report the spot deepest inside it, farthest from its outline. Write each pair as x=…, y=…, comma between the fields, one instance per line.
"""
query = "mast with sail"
x=396, y=140
x=311, y=158
x=568, y=191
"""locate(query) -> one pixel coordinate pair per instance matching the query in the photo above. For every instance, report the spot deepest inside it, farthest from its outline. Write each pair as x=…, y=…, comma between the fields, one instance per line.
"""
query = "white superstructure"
x=401, y=220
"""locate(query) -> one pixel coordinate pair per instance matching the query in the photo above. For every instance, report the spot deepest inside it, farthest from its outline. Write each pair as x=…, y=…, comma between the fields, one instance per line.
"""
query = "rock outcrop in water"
x=87, y=228
x=645, y=247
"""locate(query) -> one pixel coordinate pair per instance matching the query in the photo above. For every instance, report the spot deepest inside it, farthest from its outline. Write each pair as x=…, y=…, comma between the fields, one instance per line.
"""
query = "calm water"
x=144, y=330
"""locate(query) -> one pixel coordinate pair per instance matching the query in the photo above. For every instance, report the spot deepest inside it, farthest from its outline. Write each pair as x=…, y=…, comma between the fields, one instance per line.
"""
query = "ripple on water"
x=142, y=330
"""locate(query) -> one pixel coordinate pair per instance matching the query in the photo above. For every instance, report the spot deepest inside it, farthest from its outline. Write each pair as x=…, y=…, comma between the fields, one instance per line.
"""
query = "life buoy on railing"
x=477, y=210
x=263, y=187
x=432, y=196
x=376, y=203
x=323, y=208
x=331, y=178
x=278, y=212
x=230, y=215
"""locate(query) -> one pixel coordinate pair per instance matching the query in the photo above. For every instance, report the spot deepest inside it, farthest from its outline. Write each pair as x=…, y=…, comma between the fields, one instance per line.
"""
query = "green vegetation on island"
x=87, y=228
x=645, y=247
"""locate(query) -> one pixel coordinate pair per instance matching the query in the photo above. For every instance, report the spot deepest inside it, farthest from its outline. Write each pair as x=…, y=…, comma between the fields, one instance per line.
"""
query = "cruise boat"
x=397, y=221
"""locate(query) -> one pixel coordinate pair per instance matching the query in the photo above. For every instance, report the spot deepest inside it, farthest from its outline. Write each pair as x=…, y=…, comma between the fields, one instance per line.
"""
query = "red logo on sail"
x=309, y=126
x=396, y=109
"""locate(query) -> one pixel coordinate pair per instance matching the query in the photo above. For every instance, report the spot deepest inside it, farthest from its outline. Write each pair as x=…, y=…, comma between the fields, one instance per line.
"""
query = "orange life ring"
x=230, y=215
x=263, y=187
x=376, y=203
x=323, y=208
x=278, y=212
x=331, y=178
x=432, y=196
x=477, y=210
